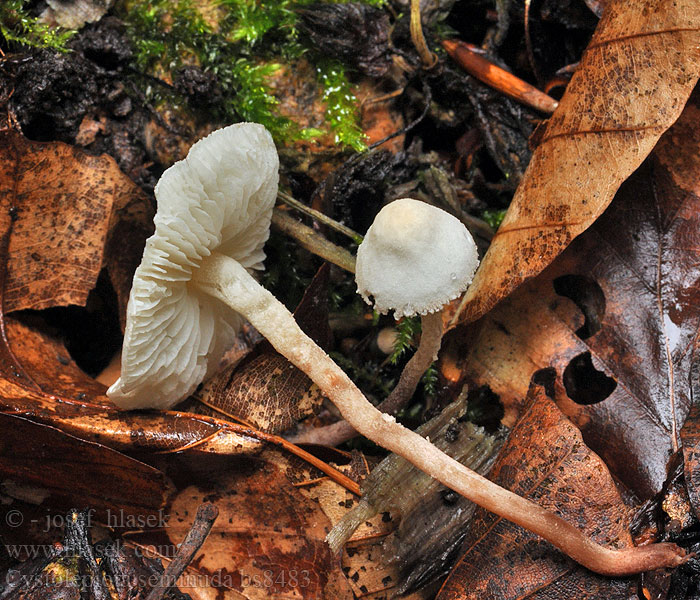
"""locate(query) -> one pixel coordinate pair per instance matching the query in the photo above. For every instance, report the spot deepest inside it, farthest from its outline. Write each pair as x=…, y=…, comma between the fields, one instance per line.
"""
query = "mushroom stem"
x=425, y=355
x=430, y=342
x=224, y=279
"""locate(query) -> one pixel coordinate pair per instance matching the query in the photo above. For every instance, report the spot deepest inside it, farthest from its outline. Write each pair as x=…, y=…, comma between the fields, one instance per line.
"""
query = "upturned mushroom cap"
x=219, y=198
x=414, y=259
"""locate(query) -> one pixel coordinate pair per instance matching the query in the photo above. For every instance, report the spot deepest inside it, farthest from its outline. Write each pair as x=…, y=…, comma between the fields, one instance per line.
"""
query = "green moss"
x=19, y=29
x=430, y=380
x=242, y=45
x=494, y=217
x=406, y=331
x=341, y=105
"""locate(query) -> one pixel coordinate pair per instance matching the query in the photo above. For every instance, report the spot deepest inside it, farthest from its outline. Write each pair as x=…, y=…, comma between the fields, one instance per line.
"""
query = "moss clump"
x=341, y=105
x=494, y=217
x=240, y=42
x=406, y=331
x=18, y=28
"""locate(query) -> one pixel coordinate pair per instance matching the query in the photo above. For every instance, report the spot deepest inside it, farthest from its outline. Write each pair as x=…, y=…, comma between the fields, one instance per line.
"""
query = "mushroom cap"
x=414, y=259
x=219, y=198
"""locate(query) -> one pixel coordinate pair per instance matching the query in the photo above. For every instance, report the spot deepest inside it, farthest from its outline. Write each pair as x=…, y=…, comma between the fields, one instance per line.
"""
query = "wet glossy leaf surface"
x=65, y=471
x=545, y=460
x=617, y=316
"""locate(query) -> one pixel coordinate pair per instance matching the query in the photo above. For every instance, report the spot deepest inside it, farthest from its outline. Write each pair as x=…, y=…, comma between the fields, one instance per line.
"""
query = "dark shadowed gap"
x=584, y=383
x=588, y=296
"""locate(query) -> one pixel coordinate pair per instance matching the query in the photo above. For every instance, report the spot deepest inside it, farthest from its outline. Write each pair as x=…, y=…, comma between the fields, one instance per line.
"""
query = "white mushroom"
x=414, y=259
x=194, y=286
x=218, y=200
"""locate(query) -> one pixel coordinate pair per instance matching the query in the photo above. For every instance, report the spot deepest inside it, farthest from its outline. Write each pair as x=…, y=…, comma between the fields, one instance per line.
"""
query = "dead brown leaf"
x=59, y=208
x=624, y=359
x=65, y=471
x=45, y=359
x=268, y=541
x=546, y=461
x=631, y=85
x=690, y=434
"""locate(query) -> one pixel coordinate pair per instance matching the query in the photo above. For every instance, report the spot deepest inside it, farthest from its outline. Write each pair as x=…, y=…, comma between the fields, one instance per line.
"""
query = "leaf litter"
x=76, y=405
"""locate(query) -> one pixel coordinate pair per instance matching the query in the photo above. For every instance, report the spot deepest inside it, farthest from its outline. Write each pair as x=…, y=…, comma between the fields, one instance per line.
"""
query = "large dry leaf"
x=626, y=369
x=631, y=85
x=546, y=461
x=59, y=207
x=65, y=471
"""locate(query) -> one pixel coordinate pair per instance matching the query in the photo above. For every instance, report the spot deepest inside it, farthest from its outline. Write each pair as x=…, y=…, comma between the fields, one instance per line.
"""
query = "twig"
x=496, y=77
x=313, y=241
x=428, y=57
x=206, y=515
x=320, y=217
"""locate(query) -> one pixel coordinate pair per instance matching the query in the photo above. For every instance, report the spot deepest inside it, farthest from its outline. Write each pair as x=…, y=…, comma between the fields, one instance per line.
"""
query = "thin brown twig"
x=427, y=56
x=206, y=515
x=313, y=241
x=319, y=216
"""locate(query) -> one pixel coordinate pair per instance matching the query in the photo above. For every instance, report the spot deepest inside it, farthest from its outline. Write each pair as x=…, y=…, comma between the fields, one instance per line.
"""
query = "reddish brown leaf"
x=68, y=472
x=545, y=460
x=49, y=364
x=266, y=391
x=60, y=206
x=626, y=369
x=631, y=85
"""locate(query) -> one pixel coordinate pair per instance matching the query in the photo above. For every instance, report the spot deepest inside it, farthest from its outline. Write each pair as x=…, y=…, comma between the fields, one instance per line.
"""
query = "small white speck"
x=388, y=418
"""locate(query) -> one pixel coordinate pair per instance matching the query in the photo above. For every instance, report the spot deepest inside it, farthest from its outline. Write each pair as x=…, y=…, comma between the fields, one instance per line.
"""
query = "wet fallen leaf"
x=266, y=390
x=690, y=434
x=67, y=215
x=630, y=86
x=65, y=471
x=59, y=208
x=546, y=461
x=624, y=360
x=45, y=359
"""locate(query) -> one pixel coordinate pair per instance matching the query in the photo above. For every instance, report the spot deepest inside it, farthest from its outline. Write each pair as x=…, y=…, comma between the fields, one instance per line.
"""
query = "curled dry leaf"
x=59, y=208
x=46, y=361
x=266, y=390
x=66, y=471
x=545, y=460
x=631, y=85
x=626, y=368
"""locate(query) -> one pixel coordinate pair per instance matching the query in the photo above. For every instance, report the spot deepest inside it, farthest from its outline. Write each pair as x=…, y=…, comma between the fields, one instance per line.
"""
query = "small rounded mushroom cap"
x=414, y=259
x=219, y=198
